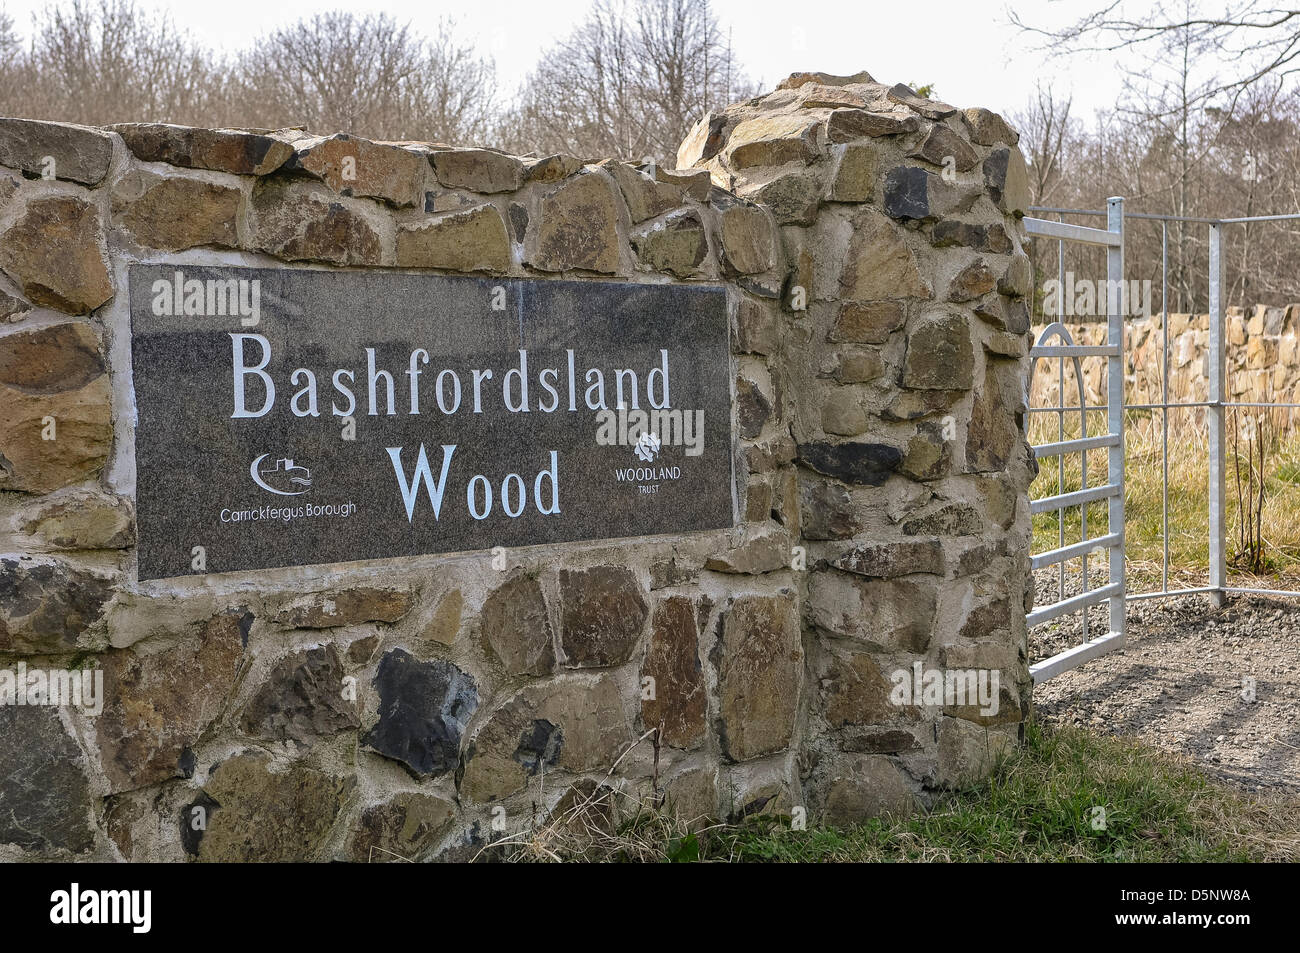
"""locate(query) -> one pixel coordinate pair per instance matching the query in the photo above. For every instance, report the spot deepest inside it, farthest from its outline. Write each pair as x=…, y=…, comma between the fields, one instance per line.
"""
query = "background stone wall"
x=869, y=243
x=1261, y=354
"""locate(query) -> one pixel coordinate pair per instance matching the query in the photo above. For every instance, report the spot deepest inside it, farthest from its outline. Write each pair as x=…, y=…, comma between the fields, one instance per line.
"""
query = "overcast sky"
x=967, y=48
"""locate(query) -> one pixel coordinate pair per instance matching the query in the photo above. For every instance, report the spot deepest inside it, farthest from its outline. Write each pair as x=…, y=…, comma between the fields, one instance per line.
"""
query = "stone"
x=81, y=519
x=990, y=238
x=1007, y=179
x=1018, y=280
x=746, y=237
x=13, y=309
x=691, y=797
x=551, y=168
x=358, y=167
x=968, y=752
x=755, y=327
x=883, y=614
x=856, y=692
x=704, y=141
x=848, y=125
x=951, y=519
x=444, y=624
x=758, y=503
x=866, y=786
x=1008, y=314
x=602, y=611
x=823, y=83
x=54, y=253
x=576, y=228
x=907, y=193
x=300, y=221
x=988, y=128
x=867, y=322
x=423, y=710
x=994, y=433
x=879, y=265
x=57, y=150
x=929, y=453
x=855, y=176
x=669, y=572
x=479, y=170
x=772, y=140
x=247, y=789
x=301, y=700
x=574, y=723
x=677, y=245
x=944, y=148
x=517, y=627
x=982, y=621
x=177, y=213
x=914, y=404
x=843, y=413
x=221, y=150
x=159, y=704
x=973, y=281
x=644, y=195
x=362, y=650
x=940, y=355
x=817, y=96
x=858, y=367
x=753, y=408
x=47, y=605
x=399, y=829
x=827, y=510
x=694, y=185
x=929, y=108
x=470, y=240
x=679, y=705
x=55, y=407
x=759, y=553
x=1005, y=344
x=887, y=560
x=45, y=797
x=793, y=196
x=9, y=186
x=346, y=607
x=862, y=464
x=759, y=660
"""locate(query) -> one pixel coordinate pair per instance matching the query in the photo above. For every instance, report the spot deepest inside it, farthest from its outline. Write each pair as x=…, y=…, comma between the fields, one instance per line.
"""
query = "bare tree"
x=367, y=75
x=1263, y=39
x=629, y=81
x=110, y=62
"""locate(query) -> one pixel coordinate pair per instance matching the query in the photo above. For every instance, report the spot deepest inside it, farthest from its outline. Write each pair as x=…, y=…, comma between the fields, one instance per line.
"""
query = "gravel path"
x=1180, y=682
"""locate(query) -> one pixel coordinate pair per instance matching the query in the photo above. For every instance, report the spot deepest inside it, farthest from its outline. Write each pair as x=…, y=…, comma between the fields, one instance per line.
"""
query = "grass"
x=1038, y=805
x=1188, y=494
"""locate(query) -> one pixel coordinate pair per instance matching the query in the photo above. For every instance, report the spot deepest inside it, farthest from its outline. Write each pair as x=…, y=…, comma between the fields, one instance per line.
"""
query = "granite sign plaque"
x=291, y=417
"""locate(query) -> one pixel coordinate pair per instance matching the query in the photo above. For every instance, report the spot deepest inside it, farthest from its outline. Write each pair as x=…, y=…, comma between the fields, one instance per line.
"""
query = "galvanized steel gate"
x=1112, y=541
x=1216, y=406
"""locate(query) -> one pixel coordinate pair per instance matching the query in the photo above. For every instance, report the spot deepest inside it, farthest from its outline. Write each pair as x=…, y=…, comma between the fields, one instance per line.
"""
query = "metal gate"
x=1216, y=407
x=1112, y=490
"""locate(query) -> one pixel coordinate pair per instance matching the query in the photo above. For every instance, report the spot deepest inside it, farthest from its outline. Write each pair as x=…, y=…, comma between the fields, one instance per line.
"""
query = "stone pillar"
x=903, y=348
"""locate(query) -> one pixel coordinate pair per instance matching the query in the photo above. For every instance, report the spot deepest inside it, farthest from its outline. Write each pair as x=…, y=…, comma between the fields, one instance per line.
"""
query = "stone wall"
x=1261, y=355
x=869, y=244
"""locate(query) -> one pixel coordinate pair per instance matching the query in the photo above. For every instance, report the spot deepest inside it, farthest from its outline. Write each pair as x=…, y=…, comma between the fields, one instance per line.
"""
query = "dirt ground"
x=1181, y=682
